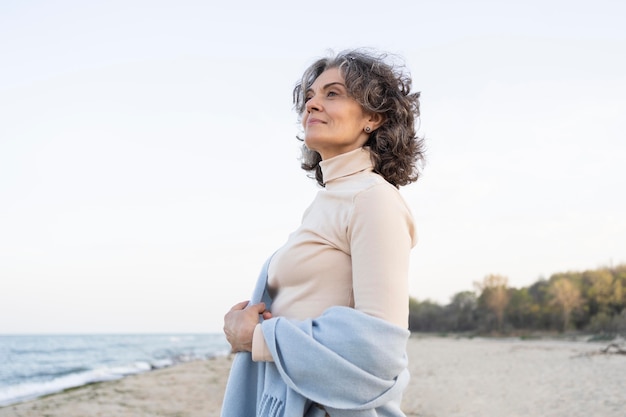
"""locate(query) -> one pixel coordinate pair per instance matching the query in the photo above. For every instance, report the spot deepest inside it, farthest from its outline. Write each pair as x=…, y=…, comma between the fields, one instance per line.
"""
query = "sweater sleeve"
x=260, y=351
x=381, y=233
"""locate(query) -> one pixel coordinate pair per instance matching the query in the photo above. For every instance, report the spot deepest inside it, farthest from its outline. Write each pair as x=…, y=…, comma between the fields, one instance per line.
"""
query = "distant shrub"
x=603, y=323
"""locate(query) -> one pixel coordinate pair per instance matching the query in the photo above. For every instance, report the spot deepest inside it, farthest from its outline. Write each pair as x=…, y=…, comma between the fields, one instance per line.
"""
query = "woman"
x=325, y=331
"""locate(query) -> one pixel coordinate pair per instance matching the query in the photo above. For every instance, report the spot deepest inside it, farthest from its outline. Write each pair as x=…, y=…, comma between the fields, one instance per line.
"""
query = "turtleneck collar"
x=346, y=164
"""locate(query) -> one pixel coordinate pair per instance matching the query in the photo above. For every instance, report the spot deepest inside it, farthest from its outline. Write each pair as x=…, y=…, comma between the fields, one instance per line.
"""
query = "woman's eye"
x=332, y=93
x=307, y=98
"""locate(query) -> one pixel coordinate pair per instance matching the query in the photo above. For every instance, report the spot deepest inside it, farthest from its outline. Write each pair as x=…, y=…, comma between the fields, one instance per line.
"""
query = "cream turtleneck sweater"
x=352, y=249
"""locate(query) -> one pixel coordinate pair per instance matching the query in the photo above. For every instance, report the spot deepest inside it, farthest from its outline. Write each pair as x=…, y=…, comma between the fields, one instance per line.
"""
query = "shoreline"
x=450, y=376
x=43, y=364
x=192, y=388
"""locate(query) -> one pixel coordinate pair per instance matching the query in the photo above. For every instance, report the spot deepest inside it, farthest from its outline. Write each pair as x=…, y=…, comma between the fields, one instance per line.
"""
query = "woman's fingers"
x=240, y=306
x=239, y=324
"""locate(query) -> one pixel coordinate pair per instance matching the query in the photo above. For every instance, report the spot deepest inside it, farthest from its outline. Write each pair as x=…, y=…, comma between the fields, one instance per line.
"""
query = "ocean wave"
x=49, y=363
x=51, y=374
x=29, y=390
x=37, y=351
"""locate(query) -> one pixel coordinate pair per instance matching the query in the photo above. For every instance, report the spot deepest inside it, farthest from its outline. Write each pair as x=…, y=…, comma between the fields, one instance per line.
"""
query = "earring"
x=368, y=129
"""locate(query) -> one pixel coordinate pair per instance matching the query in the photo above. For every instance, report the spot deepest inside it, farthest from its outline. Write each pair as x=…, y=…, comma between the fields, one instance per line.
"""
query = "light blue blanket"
x=351, y=363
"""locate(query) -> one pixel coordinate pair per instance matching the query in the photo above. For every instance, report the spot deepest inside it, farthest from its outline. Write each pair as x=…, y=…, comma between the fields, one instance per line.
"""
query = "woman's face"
x=334, y=123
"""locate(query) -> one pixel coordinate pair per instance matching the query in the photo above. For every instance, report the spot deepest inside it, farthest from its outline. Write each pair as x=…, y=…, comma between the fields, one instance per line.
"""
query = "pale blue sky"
x=148, y=161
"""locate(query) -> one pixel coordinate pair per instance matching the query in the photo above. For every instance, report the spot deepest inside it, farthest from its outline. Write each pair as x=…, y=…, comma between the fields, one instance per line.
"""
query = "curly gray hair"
x=381, y=87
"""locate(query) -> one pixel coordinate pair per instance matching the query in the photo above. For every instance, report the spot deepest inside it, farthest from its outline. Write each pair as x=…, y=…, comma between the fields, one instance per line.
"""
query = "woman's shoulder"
x=379, y=194
x=374, y=184
x=381, y=207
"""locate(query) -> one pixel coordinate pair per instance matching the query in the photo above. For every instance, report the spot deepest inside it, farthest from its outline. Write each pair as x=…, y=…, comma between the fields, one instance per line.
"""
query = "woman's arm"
x=381, y=234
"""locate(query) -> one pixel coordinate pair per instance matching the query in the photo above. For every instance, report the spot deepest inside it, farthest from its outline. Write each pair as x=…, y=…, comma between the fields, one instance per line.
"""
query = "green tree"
x=425, y=316
x=519, y=311
x=539, y=311
x=461, y=313
x=602, y=291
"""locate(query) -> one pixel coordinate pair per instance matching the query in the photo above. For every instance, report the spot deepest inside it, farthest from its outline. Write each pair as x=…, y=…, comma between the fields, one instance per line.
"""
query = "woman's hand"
x=239, y=324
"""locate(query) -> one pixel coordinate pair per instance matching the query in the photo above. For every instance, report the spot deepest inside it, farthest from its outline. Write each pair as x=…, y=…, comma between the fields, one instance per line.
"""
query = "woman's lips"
x=314, y=121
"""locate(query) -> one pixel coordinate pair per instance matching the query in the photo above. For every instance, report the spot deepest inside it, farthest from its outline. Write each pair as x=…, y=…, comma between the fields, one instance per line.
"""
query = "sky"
x=149, y=161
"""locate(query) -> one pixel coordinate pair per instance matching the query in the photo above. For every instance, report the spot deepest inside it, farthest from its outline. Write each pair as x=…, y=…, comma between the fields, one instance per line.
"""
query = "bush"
x=604, y=323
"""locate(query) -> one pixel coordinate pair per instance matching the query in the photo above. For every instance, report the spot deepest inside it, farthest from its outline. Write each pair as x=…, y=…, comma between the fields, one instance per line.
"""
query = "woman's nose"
x=312, y=104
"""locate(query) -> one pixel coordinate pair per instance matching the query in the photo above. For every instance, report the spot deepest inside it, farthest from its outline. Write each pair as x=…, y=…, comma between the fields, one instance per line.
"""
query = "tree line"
x=590, y=301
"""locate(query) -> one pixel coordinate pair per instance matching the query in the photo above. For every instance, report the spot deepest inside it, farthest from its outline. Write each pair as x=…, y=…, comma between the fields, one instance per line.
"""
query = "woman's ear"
x=376, y=120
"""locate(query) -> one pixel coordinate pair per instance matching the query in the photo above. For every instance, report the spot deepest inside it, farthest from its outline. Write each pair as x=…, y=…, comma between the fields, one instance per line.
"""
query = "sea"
x=35, y=365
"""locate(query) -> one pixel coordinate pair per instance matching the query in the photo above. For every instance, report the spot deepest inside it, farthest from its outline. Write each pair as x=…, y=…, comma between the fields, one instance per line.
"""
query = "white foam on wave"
x=30, y=390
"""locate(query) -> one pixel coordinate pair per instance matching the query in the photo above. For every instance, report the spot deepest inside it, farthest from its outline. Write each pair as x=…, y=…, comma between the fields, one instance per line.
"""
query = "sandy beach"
x=450, y=377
